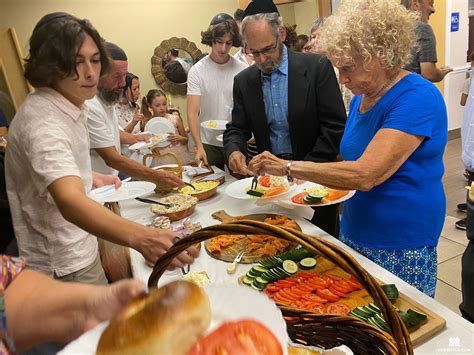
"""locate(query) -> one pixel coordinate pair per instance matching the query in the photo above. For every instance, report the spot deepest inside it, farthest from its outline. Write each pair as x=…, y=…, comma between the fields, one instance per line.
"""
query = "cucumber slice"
x=260, y=269
x=296, y=254
x=254, y=286
x=391, y=291
x=261, y=280
x=356, y=315
x=290, y=266
x=258, y=284
x=308, y=263
x=280, y=272
x=247, y=280
x=373, y=307
x=253, y=273
x=255, y=193
x=309, y=199
x=412, y=318
x=362, y=313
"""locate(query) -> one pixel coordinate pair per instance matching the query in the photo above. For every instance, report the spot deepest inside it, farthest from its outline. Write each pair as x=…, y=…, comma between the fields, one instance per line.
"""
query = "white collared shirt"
x=104, y=132
x=48, y=140
x=467, y=132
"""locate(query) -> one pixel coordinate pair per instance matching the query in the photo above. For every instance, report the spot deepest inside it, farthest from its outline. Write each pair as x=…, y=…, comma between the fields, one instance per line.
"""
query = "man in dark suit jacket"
x=302, y=118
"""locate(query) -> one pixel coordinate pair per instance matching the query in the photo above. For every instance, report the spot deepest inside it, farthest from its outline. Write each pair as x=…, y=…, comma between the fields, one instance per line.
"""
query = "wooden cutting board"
x=434, y=324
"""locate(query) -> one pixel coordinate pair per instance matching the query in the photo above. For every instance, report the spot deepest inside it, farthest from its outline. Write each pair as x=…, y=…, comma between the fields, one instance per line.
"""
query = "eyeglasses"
x=264, y=51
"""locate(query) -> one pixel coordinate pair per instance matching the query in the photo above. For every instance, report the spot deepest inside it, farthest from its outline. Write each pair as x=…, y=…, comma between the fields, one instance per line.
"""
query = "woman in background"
x=155, y=104
x=128, y=111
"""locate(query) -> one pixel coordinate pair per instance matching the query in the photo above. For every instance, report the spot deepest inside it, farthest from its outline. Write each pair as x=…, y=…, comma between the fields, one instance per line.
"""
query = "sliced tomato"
x=264, y=181
x=285, y=283
x=340, y=287
x=289, y=294
x=306, y=288
x=314, y=298
x=336, y=292
x=325, y=293
x=298, y=291
x=272, y=288
x=354, y=283
x=245, y=336
x=340, y=309
x=346, y=284
x=299, y=198
x=333, y=277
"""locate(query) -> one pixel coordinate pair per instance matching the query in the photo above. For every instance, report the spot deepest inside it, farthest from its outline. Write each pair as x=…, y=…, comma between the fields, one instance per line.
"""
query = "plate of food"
x=268, y=187
x=202, y=189
x=183, y=318
x=255, y=247
x=312, y=194
x=215, y=125
x=127, y=191
x=175, y=206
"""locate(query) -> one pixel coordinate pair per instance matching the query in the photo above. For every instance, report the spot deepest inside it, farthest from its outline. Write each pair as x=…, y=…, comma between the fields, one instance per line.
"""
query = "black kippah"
x=51, y=17
x=219, y=18
x=116, y=53
x=260, y=7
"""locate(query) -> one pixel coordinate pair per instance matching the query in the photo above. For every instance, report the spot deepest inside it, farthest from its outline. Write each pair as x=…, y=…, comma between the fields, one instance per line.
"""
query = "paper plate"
x=228, y=302
x=158, y=125
x=127, y=191
x=238, y=189
x=306, y=185
x=214, y=125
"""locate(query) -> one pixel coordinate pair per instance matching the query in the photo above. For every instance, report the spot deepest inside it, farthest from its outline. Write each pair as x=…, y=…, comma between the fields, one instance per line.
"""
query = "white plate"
x=127, y=191
x=219, y=125
x=238, y=189
x=159, y=125
x=307, y=185
x=228, y=302
x=220, y=138
x=138, y=145
x=161, y=142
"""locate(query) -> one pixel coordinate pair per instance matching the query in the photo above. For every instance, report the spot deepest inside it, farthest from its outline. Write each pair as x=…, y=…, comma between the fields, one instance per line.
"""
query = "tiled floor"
x=453, y=241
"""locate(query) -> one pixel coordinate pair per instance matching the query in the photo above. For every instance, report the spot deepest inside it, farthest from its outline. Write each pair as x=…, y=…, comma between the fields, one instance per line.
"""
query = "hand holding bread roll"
x=167, y=321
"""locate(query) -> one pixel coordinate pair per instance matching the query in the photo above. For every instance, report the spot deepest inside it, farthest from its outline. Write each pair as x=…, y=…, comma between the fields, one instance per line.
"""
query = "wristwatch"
x=288, y=171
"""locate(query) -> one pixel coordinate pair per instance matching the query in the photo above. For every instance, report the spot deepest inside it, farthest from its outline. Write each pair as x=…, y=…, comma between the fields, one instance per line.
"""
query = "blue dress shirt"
x=275, y=98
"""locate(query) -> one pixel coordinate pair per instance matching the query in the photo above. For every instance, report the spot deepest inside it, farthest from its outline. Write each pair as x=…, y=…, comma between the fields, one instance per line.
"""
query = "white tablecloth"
x=458, y=337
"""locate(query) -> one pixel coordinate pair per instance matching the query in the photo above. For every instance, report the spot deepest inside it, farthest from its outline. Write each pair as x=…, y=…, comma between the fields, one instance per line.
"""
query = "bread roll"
x=167, y=321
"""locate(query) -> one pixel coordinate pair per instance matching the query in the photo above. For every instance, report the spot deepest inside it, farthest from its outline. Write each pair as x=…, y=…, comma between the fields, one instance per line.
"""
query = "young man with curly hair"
x=210, y=87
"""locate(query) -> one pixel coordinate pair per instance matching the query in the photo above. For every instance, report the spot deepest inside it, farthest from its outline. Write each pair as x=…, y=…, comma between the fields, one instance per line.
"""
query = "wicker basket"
x=323, y=331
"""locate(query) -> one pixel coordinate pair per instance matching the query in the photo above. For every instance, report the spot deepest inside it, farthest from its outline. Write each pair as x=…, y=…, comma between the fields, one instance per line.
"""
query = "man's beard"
x=111, y=97
x=269, y=65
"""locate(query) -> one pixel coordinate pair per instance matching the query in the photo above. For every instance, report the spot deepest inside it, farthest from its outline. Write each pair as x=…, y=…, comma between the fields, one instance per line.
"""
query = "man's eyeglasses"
x=263, y=51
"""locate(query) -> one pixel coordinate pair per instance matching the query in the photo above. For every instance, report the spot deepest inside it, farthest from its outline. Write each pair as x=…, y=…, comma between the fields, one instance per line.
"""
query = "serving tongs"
x=190, y=185
x=233, y=267
x=253, y=188
x=145, y=200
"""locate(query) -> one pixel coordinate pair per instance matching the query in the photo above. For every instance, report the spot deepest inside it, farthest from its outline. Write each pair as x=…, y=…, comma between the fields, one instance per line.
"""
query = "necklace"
x=387, y=84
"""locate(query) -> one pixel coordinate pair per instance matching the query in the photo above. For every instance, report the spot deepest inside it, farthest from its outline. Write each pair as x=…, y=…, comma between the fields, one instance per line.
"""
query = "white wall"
x=455, y=57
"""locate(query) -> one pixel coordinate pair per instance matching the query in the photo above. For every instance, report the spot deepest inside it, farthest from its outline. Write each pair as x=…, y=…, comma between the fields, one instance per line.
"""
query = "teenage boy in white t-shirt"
x=210, y=83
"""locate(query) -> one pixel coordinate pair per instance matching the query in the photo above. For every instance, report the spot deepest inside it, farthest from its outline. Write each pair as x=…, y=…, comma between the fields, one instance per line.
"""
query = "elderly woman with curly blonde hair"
x=392, y=146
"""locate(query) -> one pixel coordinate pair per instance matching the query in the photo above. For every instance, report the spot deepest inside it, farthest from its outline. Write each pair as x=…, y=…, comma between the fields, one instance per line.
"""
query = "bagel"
x=169, y=320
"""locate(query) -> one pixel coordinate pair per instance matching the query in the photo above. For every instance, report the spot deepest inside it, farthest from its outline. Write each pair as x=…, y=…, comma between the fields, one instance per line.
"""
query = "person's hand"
x=445, y=70
x=142, y=137
x=99, y=180
x=156, y=243
x=267, y=163
x=138, y=117
x=237, y=163
x=104, y=302
x=201, y=156
x=167, y=180
x=176, y=138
